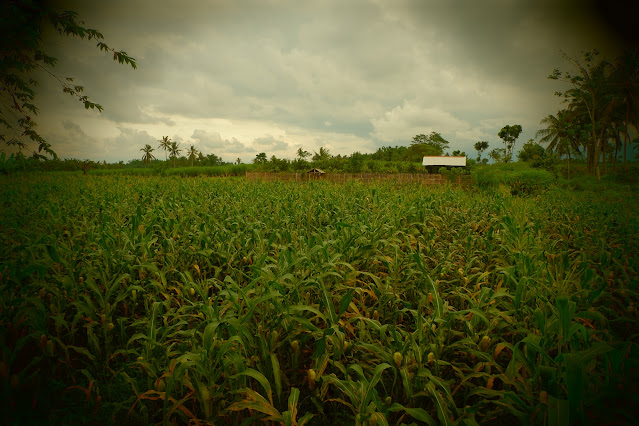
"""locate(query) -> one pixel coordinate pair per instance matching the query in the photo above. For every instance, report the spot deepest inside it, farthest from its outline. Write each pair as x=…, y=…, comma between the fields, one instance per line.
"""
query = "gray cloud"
x=353, y=75
x=127, y=143
x=269, y=143
x=212, y=143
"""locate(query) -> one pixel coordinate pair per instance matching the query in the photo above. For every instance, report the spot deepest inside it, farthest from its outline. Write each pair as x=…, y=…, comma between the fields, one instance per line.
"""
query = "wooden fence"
x=400, y=178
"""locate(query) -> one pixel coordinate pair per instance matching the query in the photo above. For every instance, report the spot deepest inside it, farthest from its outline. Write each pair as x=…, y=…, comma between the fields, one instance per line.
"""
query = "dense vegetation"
x=601, y=109
x=129, y=299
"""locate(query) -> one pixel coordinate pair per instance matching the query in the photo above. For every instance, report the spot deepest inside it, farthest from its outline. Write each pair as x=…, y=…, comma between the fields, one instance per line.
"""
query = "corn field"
x=151, y=300
x=397, y=178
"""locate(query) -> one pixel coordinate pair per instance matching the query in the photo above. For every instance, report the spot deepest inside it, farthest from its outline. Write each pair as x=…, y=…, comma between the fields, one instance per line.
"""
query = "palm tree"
x=192, y=154
x=561, y=134
x=174, y=151
x=625, y=86
x=322, y=155
x=302, y=154
x=165, y=144
x=147, y=157
x=590, y=97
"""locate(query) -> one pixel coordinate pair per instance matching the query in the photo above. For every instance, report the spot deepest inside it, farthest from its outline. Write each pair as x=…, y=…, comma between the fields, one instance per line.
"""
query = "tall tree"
x=421, y=145
x=562, y=134
x=322, y=155
x=192, y=153
x=147, y=157
x=434, y=139
x=589, y=95
x=213, y=160
x=260, y=158
x=497, y=154
x=509, y=135
x=22, y=54
x=174, y=151
x=165, y=144
x=531, y=150
x=625, y=86
x=480, y=147
x=302, y=154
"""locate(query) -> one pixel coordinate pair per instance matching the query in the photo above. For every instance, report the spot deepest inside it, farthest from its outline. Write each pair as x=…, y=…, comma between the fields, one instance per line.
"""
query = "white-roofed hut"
x=434, y=163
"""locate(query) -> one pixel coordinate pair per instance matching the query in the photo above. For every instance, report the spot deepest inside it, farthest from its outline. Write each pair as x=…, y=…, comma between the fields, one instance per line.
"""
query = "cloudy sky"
x=236, y=78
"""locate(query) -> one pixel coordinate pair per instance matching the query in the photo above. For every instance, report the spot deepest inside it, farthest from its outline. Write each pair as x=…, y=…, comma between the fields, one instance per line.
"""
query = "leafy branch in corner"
x=22, y=24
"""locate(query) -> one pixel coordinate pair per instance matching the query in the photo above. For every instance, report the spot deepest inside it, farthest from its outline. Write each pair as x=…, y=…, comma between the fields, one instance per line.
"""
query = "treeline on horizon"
x=595, y=129
x=386, y=159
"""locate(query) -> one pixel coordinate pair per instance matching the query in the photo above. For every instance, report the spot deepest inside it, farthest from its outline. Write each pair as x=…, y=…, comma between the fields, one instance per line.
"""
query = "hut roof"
x=444, y=161
x=316, y=171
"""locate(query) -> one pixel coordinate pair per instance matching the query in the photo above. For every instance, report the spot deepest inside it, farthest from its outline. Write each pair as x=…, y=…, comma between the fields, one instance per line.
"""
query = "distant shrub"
x=519, y=178
x=452, y=173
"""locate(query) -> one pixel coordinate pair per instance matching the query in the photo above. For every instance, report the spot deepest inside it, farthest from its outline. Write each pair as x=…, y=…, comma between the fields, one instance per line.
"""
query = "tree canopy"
x=601, y=102
x=422, y=145
x=434, y=139
x=480, y=146
x=22, y=54
x=509, y=135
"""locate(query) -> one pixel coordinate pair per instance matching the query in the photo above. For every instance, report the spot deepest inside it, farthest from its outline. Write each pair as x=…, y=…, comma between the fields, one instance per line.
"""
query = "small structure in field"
x=315, y=173
x=433, y=163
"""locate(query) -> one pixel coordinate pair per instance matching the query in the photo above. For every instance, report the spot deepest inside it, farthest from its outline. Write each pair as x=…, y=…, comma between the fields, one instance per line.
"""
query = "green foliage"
x=323, y=155
x=498, y=155
x=601, y=106
x=7, y=164
x=519, y=178
x=148, y=300
x=22, y=25
x=531, y=151
x=147, y=157
x=509, y=135
x=452, y=173
x=480, y=147
x=422, y=145
x=260, y=158
x=434, y=139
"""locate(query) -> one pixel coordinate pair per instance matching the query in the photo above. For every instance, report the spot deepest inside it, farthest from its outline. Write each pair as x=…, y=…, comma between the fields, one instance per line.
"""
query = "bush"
x=452, y=173
x=519, y=178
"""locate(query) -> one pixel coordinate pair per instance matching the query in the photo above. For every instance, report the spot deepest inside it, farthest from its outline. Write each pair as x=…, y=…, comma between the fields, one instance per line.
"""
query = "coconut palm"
x=302, y=154
x=192, y=154
x=590, y=96
x=625, y=86
x=165, y=144
x=174, y=151
x=561, y=134
x=147, y=157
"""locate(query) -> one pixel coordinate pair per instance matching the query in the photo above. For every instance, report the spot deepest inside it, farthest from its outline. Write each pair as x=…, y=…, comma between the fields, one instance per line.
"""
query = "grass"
x=145, y=299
